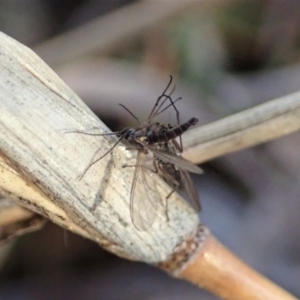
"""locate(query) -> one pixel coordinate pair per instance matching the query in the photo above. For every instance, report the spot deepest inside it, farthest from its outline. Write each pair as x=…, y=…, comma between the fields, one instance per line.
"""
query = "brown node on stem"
x=205, y=262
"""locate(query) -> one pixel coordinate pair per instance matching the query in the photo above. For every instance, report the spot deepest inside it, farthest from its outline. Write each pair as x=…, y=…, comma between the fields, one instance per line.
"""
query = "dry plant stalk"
x=108, y=32
x=216, y=269
x=253, y=126
x=40, y=164
x=16, y=220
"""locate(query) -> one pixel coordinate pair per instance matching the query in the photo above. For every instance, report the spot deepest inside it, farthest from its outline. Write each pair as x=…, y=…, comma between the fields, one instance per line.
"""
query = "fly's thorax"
x=139, y=133
x=142, y=130
x=156, y=133
x=156, y=128
x=146, y=129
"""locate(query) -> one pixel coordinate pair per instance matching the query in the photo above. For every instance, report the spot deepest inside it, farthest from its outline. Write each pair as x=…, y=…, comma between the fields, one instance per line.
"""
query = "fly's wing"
x=190, y=189
x=178, y=161
x=144, y=197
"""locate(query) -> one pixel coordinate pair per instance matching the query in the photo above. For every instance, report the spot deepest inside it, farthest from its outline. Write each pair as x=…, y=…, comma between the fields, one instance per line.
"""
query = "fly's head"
x=126, y=133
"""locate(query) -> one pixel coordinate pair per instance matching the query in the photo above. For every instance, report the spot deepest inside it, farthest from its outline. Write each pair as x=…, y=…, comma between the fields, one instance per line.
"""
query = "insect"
x=160, y=140
x=177, y=177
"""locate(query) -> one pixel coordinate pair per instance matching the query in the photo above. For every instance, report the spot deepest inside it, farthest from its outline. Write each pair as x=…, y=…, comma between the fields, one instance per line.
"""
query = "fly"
x=149, y=137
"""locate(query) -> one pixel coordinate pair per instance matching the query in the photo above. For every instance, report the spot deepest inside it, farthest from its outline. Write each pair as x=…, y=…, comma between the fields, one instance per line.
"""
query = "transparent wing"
x=178, y=161
x=190, y=189
x=144, y=197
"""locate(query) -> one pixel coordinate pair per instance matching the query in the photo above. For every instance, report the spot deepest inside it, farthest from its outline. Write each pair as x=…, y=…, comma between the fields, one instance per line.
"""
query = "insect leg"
x=177, y=145
x=154, y=109
x=92, y=163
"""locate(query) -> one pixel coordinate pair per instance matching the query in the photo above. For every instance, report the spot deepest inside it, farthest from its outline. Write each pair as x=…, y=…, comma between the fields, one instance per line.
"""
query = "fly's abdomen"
x=169, y=173
x=167, y=135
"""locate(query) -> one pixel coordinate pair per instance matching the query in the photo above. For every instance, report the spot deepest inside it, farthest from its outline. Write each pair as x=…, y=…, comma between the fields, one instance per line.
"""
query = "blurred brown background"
x=225, y=56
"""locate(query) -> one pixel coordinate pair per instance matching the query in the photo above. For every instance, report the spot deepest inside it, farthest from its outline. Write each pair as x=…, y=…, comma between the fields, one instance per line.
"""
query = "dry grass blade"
x=251, y=127
x=41, y=163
